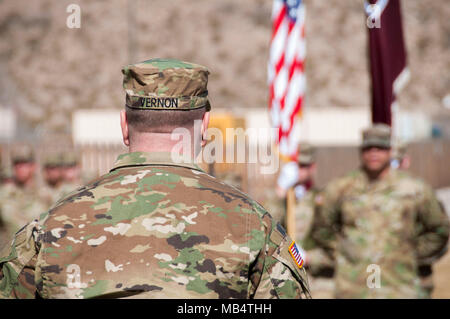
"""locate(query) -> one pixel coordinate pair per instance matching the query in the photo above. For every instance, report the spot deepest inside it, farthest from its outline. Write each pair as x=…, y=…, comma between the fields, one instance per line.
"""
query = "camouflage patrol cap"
x=377, y=135
x=22, y=154
x=70, y=158
x=53, y=160
x=306, y=154
x=166, y=84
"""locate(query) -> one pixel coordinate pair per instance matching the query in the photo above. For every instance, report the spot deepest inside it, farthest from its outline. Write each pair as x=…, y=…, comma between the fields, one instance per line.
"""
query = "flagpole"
x=290, y=213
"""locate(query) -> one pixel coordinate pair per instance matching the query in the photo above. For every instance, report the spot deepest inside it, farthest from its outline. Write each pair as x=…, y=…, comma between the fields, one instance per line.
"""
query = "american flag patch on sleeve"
x=296, y=254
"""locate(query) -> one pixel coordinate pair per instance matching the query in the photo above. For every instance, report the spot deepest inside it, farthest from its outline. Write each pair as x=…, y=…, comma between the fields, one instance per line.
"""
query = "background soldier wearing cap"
x=377, y=225
x=21, y=202
x=307, y=200
x=62, y=174
x=296, y=175
x=6, y=187
x=401, y=160
x=156, y=226
x=52, y=173
x=71, y=171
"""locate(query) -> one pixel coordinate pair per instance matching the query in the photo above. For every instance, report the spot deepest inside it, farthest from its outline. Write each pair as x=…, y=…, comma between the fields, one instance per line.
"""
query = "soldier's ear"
x=124, y=126
x=205, y=123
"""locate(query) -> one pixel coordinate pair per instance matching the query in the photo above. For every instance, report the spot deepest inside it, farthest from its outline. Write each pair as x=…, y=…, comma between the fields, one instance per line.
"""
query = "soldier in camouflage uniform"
x=52, y=173
x=276, y=205
x=21, y=203
x=61, y=174
x=401, y=160
x=70, y=172
x=377, y=225
x=292, y=175
x=6, y=188
x=308, y=200
x=155, y=226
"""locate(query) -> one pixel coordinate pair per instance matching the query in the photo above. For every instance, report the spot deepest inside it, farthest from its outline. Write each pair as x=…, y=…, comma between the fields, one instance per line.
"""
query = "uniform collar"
x=384, y=182
x=153, y=158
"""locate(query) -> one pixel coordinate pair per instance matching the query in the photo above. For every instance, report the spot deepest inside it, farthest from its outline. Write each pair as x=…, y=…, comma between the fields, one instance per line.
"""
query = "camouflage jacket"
x=275, y=206
x=17, y=207
x=152, y=228
x=304, y=212
x=391, y=225
x=304, y=206
x=51, y=195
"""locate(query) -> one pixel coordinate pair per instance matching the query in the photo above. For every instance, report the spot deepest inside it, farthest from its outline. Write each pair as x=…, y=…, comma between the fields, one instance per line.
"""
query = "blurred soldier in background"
x=71, y=173
x=7, y=177
x=378, y=225
x=276, y=203
x=308, y=199
x=231, y=178
x=157, y=225
x=401, y=160
x=6, y=187
x=296, y=179
x=52, y=173
x=22, y=202
x=305, y=193
x=24, y=167
x=71, y=168
x=298, y=176
x=291, y=175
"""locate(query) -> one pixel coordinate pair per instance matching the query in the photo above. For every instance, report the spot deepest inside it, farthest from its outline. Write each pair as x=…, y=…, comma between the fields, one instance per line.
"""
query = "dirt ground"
x=441, y=269
x=441, y=278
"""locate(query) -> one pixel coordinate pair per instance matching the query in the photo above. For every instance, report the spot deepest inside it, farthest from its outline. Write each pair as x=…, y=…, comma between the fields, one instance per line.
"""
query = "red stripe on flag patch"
x=296, y=254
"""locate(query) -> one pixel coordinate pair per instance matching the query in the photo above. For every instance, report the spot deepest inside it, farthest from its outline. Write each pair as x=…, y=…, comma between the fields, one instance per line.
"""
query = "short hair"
x=162, y=121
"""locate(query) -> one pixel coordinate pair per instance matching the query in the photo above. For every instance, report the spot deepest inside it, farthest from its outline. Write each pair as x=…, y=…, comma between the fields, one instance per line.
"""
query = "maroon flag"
x=387, y=56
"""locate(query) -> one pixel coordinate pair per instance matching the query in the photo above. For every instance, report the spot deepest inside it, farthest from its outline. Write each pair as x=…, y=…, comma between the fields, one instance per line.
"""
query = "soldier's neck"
x=161, y=142
x=377, y=175
x=54, y=184
x=25, y=185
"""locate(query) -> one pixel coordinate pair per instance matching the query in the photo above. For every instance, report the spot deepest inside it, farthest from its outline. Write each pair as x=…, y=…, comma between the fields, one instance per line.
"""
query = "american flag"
x=285, y=71
x=296, y=253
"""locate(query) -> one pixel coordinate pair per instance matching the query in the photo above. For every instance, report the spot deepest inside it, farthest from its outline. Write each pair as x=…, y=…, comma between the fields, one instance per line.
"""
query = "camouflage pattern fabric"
x=395, y=223
x=152, y=228
x=67, y=188
x=6, y=231
x=321, y=287
x=166, y=84
x=276, y=207
x=426, y=269
x=304, y=213
x=50, y=195
x=320, y=271
x=19, y=205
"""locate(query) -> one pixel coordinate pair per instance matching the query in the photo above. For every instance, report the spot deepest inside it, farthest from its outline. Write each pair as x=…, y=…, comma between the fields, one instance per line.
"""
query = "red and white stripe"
x=286, y=74
x=296, y=254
